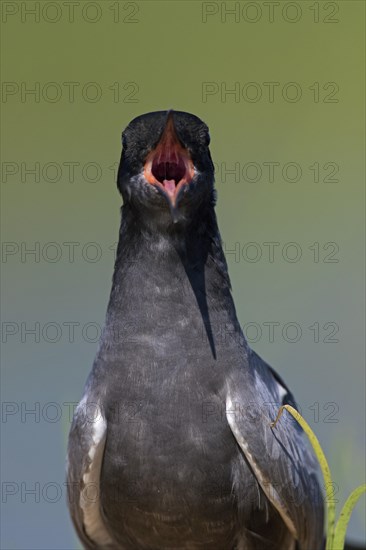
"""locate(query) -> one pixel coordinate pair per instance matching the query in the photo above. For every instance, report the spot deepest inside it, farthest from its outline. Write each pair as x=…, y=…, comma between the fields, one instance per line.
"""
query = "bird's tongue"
x=169, y=185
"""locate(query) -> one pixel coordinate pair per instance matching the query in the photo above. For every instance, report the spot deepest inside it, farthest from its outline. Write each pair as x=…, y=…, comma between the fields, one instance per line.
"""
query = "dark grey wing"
x=280, y=457
x=85, y=456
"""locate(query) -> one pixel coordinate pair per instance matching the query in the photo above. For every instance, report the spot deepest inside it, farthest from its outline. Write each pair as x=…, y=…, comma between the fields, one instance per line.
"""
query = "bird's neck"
x=184, y=250
x=174, y=276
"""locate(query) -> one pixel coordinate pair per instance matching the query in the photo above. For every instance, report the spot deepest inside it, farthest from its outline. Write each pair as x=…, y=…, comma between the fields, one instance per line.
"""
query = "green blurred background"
x=122, y=59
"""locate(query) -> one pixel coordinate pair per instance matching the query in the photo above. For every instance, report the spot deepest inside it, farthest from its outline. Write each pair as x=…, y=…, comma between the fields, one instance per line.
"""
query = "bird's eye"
x=206, y=136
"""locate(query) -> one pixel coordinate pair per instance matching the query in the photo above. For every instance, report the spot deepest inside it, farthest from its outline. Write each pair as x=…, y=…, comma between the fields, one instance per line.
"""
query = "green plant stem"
x=324, y=467
x=344, y=517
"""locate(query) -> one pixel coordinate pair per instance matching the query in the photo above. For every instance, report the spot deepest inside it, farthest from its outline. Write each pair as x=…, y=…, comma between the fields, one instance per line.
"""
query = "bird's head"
x=166, y=170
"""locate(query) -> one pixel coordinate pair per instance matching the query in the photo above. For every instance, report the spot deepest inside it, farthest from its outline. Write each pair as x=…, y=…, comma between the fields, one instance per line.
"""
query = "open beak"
x=169, y=166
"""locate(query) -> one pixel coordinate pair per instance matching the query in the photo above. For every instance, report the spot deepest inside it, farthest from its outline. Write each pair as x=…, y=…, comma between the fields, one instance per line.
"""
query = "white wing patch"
x=90, y=495
x=265, y=483
x=281, y=391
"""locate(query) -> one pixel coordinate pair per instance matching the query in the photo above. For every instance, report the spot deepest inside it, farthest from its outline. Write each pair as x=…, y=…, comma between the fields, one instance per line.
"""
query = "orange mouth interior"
x=169, y=166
